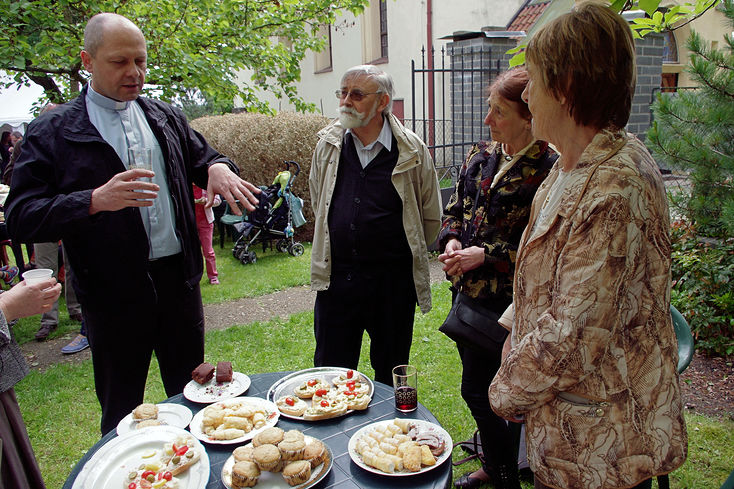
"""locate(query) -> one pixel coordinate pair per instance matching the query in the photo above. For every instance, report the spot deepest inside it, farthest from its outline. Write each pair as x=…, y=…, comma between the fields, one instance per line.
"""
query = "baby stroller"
x=276, y=216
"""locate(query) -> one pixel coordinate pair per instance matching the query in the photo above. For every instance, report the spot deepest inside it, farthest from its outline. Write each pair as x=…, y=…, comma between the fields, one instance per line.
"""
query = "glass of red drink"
x=405, y=382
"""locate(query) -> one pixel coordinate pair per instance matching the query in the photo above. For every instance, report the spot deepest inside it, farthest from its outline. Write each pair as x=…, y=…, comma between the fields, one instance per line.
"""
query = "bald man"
x=128, y=225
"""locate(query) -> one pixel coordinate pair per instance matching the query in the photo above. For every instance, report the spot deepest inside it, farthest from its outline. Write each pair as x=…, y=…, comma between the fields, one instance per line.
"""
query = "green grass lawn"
x=62, y=414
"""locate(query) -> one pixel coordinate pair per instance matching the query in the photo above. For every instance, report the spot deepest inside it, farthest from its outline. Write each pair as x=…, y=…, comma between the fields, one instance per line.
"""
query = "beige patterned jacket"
x=593, y=366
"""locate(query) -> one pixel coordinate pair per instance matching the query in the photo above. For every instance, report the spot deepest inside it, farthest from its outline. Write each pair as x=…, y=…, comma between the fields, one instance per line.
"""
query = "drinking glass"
x=405, y=382
x=138, y=157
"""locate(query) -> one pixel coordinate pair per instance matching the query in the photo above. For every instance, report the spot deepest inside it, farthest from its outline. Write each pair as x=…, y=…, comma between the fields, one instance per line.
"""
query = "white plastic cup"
x=37, y=275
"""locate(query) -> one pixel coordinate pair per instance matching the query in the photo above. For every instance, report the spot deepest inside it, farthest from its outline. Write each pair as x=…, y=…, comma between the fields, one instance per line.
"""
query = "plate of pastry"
x=278, y=459
x=209, y=385
x=400, y=447
x=233, y=420
x=168, y=455
x=147, y=414
x=321, y=393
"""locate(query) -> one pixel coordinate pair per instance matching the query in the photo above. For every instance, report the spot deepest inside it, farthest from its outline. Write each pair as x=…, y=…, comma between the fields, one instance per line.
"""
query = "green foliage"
x=703, y=288
x=658, y=19
x=694, y=131
x=191, y=45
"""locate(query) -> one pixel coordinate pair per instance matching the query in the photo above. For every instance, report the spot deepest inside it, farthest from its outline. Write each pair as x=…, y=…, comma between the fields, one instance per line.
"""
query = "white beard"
x=351, y=119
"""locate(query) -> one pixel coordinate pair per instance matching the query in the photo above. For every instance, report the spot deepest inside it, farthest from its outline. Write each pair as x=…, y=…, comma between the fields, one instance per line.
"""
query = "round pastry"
x=271, y=436
x=297, y=472
x=292, y=435
x=291, y=405
x=245, y=474
x=148, y=422
x=314, y=453
x=145, y=411
x=292, y=449
x=244, y=453
x=266, y=457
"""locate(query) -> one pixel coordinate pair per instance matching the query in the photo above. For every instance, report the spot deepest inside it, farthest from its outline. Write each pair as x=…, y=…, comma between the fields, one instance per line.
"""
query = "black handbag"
x=474, y=326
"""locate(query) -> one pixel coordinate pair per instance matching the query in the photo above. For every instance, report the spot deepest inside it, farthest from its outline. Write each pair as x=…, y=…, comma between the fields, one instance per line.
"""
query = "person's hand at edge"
x=27, y=300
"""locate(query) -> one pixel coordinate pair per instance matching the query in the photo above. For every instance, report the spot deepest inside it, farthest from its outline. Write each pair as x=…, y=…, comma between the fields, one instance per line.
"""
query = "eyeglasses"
x=355, y=95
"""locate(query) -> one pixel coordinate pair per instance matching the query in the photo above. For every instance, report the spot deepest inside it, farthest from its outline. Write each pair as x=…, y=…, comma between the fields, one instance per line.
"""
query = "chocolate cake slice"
x=224, y=371
x=203, y=373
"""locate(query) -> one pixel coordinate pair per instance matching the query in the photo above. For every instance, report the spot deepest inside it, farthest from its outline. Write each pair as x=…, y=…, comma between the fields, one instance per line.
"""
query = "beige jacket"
x=414, y=178
x=593, y=366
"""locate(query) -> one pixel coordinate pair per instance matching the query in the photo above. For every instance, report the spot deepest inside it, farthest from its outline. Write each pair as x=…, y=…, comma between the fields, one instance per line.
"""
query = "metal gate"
x=449, y=104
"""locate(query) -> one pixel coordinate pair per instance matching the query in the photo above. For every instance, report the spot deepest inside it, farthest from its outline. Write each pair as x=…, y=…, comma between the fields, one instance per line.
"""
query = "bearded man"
x=376, y=200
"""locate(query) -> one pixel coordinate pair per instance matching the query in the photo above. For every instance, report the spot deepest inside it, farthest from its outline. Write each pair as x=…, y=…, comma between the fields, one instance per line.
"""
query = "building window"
x=374, y=33
x=322, y=59
x=670, y=48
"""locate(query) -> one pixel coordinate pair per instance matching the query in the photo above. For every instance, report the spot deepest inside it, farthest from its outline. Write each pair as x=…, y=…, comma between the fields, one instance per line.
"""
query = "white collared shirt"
x=368, y=153
x=123, y=125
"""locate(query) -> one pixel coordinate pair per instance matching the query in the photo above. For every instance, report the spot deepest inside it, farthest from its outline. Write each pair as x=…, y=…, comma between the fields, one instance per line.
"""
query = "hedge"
x=259, y=144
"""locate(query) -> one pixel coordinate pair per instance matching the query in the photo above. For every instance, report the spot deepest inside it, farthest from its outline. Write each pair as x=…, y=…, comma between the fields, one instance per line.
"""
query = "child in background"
x=205, y=224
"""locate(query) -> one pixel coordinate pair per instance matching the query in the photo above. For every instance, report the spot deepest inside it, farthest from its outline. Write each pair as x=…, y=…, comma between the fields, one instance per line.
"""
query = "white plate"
x=213, y=392
x=110, y=465
x=287, y=385
x=168, y=413
x=357, y=459
x=275, y=480
x=271, y=420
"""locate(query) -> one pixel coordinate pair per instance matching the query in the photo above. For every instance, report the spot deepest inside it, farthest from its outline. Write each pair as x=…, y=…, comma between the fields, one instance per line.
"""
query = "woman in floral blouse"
x=482, y=227
x=592, y=368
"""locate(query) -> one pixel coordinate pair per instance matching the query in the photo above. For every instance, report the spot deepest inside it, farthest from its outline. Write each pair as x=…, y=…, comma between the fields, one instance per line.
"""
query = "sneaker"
x=214, y=281
x=12, y=273
x=44, y=331
x=77, y=344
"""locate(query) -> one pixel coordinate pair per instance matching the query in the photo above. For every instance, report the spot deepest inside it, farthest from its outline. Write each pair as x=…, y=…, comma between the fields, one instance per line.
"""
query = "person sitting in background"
x=5, y=145
x=591, y=364
x=8, y=273
x=18, y=468
x=205, y=225
x=484, y=220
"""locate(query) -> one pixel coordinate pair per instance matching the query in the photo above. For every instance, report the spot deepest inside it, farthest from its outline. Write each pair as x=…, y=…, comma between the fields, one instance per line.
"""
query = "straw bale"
x=259, y=144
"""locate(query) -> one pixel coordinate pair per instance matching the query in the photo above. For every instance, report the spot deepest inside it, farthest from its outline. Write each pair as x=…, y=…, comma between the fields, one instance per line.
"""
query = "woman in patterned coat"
x=592, y=366
x=482, y=227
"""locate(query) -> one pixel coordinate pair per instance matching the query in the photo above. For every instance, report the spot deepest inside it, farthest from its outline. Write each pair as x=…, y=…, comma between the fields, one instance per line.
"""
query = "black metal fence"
x=448, y=103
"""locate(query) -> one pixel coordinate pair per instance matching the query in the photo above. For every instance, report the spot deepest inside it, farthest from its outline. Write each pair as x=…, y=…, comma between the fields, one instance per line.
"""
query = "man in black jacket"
x=130, y=231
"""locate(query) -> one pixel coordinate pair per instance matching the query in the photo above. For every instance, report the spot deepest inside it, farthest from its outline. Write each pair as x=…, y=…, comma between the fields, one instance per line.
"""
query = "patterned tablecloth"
x=344, y=474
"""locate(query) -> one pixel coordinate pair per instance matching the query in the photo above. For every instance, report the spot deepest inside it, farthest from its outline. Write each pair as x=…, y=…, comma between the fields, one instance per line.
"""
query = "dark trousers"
x=381, y=302
x=122, y=340
x=499, y=438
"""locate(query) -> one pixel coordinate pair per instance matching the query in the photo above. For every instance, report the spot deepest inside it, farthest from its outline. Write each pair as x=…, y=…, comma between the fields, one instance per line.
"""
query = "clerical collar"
x=104, y=102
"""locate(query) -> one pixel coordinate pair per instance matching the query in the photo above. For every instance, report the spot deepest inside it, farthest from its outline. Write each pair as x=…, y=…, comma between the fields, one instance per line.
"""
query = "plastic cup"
x=405, y=382
x=37, y=275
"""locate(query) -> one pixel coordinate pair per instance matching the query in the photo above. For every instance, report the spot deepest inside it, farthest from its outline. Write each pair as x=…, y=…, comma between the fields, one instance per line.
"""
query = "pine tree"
x=694, y=131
